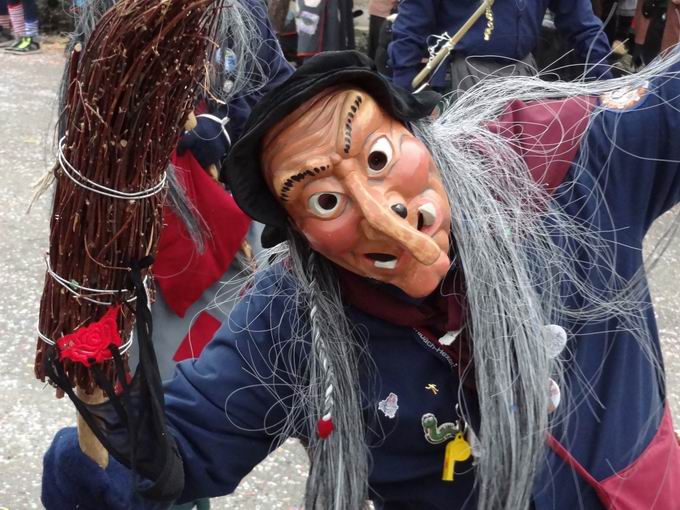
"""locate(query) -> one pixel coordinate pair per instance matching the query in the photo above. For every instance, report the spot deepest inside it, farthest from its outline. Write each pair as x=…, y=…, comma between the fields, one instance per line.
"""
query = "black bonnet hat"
x=242, y=171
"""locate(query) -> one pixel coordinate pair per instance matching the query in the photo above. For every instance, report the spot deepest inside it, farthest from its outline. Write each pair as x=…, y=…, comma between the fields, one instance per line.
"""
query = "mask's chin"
x=419, y=280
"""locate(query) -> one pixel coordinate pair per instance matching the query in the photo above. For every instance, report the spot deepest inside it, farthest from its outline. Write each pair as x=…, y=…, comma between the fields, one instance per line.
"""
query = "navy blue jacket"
x=517, y=25
x=616, y=401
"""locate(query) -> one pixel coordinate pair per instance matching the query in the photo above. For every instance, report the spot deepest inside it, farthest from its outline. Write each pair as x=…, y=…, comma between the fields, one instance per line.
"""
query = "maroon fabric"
x=547, y=134
x=436, y=312
x=649, y=482
x=652, y=481
x=181, y=272
x=432, y=316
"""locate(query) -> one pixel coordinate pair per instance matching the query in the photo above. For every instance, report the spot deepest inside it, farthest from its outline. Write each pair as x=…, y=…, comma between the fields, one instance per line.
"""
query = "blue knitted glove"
x=206, y=141
x=72, y=480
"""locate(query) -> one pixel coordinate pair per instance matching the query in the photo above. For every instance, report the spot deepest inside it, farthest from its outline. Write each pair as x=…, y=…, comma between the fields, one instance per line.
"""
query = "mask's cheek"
x=332, y=238
x=413, y=166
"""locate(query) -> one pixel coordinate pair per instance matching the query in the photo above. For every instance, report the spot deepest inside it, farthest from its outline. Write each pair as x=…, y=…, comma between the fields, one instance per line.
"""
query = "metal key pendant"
x=457, y=450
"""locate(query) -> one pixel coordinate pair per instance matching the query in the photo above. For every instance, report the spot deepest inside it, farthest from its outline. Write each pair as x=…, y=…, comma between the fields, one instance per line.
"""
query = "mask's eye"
x=326, y=204
x=379, y=156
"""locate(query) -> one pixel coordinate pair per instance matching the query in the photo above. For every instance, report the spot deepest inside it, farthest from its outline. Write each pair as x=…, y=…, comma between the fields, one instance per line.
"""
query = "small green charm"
x=436, y=434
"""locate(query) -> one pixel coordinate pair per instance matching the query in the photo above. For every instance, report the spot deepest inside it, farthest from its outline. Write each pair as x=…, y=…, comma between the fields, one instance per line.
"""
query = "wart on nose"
x=400, y=209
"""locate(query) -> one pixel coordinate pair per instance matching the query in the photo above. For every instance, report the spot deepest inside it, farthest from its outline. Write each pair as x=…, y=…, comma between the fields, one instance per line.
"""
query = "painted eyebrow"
x=354, y=108
x=294, y=179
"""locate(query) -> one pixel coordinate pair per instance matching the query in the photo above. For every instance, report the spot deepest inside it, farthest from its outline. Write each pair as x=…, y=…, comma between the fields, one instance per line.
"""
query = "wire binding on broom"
x=68, y=169
x=121, y=350
x=72, y=285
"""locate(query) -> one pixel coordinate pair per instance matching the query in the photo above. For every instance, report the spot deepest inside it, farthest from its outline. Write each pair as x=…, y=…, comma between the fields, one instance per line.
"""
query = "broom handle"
x=89, y=444
x=448, y=47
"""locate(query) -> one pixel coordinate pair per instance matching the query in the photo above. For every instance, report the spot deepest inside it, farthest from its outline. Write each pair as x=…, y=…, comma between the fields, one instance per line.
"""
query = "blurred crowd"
x=568, y=39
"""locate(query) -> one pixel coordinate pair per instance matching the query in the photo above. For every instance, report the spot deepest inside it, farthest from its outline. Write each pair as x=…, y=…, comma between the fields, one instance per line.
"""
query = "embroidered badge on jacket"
x=435, y=433
x=433, y=388
x=625, y=97
x=389, y=406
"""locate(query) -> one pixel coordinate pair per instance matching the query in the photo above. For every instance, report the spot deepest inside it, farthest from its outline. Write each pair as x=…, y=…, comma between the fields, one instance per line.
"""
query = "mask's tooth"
x=390, y=264
x=429, y=214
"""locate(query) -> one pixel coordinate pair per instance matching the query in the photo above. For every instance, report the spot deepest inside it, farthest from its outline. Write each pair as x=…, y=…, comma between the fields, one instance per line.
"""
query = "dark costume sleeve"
x=414, y=24
x=239, y=108
x=226, y=409
x=634, y=155
x=584, y=33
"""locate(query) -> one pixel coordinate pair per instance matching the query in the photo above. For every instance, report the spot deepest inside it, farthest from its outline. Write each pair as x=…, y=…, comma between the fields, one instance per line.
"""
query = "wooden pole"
x=89, y=444
x=448, y=47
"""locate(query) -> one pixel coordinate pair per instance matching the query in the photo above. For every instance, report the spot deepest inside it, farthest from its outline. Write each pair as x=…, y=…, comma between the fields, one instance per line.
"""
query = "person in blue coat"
x=457, y=316
x=513, y=38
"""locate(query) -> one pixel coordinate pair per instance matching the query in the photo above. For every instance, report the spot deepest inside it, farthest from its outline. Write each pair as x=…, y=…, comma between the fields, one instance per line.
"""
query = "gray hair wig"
x=517, y=249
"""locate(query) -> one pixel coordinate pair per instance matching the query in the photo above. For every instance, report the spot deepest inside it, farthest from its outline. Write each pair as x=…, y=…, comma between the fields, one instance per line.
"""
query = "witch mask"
x=362, y=189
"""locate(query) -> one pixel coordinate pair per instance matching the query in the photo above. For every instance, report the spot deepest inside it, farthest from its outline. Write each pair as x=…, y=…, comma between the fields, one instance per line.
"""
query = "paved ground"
x=29, y=413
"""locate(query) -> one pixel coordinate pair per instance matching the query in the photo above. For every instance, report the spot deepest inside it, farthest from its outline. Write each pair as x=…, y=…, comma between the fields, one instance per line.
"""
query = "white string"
x=222, y=122
x=439, y=42
x=99, y=188
x=72, y=285
x=123, y=348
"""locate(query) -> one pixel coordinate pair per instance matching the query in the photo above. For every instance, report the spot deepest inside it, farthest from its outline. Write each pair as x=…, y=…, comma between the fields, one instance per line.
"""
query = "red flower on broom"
x=90, y=344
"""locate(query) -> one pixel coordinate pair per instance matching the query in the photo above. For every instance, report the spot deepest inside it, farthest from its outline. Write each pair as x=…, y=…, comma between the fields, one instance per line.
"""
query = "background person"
x=6, y=38
x=378, y=11
x=515, y=34
x=24, y=17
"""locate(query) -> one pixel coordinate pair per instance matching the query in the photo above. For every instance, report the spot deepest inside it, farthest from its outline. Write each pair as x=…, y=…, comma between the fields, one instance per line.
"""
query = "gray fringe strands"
x=238, y=38
x=338, y=477
x=185, y=210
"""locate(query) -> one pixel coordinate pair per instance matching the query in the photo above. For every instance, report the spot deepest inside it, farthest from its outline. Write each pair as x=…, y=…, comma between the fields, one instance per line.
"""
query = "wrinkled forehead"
x=332, y=122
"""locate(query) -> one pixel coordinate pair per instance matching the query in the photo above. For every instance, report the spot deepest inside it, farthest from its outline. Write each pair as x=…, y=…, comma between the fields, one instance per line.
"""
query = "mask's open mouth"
x=383, y=260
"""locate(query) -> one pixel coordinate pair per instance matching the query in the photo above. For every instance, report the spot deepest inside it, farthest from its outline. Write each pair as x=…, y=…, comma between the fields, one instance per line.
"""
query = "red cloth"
x=649, y=482
x=196, y=339
x=181, y=272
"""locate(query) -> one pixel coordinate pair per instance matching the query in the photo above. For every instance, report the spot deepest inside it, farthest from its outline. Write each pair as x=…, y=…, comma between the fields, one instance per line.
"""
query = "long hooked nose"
x=421, y=246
